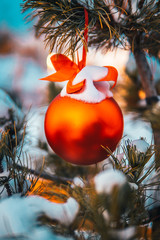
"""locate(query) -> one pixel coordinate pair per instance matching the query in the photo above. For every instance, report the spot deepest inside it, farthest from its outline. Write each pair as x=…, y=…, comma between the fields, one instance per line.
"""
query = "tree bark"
x=151, y=93
x=145, y=73
x=156, y=134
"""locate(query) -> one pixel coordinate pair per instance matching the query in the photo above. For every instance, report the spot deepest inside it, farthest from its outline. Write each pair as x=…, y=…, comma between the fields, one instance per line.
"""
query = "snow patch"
x=141, y=145
x=4, y=174
x=93, y=91
x=7, y=103
x=78, y=182
x=105, y=181
x=124, y=234
x=133, y=186
x=19, y=215
x=43, y=233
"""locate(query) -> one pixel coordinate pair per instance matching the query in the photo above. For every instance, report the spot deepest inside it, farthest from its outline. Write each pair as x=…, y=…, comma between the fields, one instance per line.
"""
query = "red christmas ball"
x=84, y=118
x=77, y=130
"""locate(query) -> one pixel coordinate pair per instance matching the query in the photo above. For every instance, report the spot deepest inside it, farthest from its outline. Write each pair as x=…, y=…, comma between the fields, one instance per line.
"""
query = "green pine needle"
x=111, y=23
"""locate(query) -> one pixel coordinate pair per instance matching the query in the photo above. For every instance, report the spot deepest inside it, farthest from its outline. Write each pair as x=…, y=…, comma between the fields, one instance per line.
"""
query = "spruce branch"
x=59, y=21
x=63, y=22
x=13, y=180
x=44, y=175
x=110, y=23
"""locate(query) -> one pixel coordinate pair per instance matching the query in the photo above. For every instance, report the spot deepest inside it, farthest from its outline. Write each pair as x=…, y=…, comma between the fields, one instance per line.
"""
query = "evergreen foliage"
x=130, y=24
x=13, y=177
x=104, y=215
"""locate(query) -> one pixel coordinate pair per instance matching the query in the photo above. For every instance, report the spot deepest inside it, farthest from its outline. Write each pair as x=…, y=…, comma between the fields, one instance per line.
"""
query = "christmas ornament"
x=84, y=117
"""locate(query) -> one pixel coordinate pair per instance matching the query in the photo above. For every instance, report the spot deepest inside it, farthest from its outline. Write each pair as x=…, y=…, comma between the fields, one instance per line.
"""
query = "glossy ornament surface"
x=77, y=130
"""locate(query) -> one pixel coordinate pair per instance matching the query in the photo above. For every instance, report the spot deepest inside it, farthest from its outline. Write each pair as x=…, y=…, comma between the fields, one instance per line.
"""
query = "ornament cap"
x=91, y=84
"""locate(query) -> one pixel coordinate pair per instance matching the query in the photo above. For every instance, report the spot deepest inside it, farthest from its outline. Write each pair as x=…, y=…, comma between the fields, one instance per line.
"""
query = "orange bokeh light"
x=141, y=94
x=49, y=190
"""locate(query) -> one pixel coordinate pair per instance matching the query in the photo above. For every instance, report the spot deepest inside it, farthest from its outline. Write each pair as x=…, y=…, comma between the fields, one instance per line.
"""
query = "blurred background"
x=22, y=56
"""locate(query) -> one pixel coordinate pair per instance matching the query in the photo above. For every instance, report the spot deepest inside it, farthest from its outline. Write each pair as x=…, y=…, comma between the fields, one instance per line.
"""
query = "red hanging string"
x=82, y=63
x=84, y=56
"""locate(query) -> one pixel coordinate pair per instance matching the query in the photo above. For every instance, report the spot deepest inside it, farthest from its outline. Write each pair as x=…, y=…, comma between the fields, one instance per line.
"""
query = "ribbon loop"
x=111, y=76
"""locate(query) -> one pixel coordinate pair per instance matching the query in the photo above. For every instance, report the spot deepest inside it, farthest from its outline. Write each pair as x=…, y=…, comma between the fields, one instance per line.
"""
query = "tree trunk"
x=151, y=93
x=156, y=134
x=145, y=74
